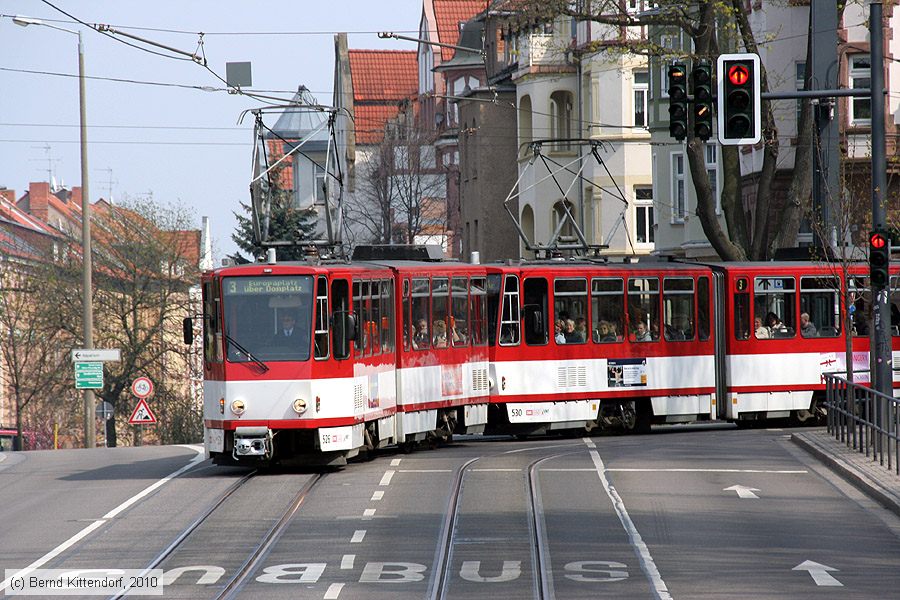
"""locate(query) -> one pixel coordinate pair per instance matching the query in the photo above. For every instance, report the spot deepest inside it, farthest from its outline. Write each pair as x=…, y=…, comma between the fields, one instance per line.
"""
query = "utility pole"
x=826, y=193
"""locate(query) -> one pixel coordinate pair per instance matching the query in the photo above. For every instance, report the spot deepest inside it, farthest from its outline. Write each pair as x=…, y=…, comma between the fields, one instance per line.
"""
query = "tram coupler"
x=252, y=442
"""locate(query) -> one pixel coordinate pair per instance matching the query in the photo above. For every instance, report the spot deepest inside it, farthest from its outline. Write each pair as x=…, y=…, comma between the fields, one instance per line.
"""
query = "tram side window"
x=509, y=316
x=360, y=291
x=458, y=332
x=860, y=305
x=570, y=309
x=703, y=315
x=819, y=307
x=478, y=311
x=387, y=316
x=678, y=308
x=340, y=308
x=494, y=300
x=742, y=313
x=421, y=313
x=534, y=310
x=321, y=333
x=375, y=319
x=607, y=310
x=212, y=326
x=440, y=311
x=774, y=299
x=408, y=325
x=643, y=309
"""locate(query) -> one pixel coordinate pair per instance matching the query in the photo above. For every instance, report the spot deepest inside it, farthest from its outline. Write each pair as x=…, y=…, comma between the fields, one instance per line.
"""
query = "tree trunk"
x=19, y=442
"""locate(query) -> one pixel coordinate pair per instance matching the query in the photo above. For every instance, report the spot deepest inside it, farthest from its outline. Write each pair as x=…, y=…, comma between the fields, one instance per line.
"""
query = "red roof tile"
x=381, y=80
x=384, y=75
x=449, y=14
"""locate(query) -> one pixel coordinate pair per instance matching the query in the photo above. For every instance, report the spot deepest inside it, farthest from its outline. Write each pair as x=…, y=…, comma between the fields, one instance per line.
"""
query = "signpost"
x=98, y=355
x=88, y=375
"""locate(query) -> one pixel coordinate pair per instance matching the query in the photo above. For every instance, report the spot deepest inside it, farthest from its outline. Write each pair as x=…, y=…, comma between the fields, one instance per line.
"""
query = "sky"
x=178, y=145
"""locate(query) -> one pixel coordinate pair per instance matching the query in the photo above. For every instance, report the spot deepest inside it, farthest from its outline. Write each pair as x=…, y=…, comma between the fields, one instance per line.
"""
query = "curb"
x=859, y=480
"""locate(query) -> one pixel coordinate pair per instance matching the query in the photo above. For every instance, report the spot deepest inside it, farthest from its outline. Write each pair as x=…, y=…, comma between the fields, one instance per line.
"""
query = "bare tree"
x=145, y=261
x=714, y=27
x=35, y=368
x=402, y=188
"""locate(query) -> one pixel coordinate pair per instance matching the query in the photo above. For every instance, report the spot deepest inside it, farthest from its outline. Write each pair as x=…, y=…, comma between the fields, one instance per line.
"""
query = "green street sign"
x=88, y=375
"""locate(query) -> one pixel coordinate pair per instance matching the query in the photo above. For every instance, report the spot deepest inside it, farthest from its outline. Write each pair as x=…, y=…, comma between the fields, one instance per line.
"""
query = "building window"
x=641, y=93
x=320, y=184
x=710, y=160
x=678, y=190
x=643, y=211
x=525, y=134
x=561, y=118
x=860, y=73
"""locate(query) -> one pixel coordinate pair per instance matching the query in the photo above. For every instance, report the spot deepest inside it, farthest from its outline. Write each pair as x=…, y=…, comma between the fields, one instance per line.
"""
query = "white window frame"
x=859, y=77
x=319, y=183
x=644, y=90
x=645, y=205
x=678, y=181
x=711, y=163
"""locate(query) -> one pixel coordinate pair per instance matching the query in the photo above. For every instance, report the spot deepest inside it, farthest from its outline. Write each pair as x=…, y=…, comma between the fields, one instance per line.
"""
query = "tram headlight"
x=221, y=406
x=238, y=407
x=300, y=406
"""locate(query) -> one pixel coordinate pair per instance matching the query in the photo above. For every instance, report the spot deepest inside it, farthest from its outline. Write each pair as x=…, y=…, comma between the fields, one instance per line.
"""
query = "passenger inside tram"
x=641, y=334
x=807, y=329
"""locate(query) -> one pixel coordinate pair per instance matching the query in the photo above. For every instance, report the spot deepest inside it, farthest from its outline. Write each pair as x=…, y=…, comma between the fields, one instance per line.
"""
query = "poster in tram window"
x=627, y=372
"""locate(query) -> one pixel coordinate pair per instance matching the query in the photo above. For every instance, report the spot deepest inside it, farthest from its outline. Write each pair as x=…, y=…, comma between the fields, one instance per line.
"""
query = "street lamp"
x=88, y=308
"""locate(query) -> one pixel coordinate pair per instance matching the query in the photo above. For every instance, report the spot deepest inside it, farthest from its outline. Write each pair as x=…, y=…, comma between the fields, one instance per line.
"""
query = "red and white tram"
x=582, y=344
x=394, y=351
x=308, y=361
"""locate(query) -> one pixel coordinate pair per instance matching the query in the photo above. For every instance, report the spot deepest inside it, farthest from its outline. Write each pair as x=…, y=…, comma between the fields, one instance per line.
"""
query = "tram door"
x=719, y=291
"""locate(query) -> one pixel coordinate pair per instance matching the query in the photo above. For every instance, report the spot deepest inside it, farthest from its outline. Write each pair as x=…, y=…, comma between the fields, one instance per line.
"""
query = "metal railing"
x=864, y=419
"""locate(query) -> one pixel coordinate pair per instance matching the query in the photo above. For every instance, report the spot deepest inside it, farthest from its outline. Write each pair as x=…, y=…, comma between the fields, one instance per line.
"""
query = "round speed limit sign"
x=142, y=387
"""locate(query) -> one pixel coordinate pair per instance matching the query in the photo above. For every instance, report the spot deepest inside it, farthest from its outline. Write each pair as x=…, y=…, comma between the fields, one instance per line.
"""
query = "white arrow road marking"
x=742, y=491
x=819, y=573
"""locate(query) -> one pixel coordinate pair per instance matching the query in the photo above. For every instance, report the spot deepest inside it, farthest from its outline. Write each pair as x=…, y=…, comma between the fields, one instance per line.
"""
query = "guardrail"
x=864, y=419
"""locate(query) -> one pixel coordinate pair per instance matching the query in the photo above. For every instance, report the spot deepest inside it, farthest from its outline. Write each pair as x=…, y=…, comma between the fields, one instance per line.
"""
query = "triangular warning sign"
x=142, y=414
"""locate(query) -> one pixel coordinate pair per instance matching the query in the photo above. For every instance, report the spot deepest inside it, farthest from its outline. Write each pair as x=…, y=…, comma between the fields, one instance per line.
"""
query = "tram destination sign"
x=96, y=355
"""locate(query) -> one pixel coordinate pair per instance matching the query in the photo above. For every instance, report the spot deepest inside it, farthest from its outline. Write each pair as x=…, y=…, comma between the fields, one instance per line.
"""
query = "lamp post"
x=87, y=300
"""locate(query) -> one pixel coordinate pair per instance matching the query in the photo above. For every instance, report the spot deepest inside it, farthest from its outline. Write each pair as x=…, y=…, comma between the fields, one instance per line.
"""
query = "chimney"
x=39, y=200
x=75, y=198
x=8, y=195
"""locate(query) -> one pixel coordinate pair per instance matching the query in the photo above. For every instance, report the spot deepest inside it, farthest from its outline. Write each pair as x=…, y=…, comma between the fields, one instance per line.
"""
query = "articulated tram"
x=316, y=362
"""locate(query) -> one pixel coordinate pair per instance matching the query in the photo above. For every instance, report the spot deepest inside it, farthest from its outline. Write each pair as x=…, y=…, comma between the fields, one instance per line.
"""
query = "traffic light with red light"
x=879, y=259
x=701, y=78
x=678, y=99
x=739, y=99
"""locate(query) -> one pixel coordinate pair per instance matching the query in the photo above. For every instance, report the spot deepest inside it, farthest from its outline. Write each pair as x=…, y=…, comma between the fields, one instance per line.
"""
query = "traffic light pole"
x=882, y=369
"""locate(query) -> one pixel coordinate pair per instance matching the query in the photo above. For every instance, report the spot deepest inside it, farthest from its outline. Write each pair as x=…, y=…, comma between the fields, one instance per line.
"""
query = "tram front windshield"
x=269, y=318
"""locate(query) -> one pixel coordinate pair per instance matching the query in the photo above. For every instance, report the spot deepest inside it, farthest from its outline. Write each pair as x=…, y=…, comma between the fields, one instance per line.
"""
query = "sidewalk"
x=869, y=476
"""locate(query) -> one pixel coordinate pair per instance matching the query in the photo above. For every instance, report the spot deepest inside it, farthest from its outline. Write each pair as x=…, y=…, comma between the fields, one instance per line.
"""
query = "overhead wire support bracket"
x=192, y=55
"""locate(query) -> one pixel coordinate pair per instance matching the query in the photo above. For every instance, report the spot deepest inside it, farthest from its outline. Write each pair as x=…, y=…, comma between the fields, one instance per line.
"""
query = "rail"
x=864, y=419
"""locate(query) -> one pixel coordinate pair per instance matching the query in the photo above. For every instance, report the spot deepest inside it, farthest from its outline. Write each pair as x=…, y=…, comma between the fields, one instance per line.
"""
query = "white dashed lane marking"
x=396, y=462
x=368, y=513
x=347, y=561
x=334, y=591
x=386, y=479
x=358, y=536
x=377, y=496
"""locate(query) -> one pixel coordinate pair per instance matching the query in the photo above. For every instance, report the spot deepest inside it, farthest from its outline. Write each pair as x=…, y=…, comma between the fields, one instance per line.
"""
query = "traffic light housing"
x=678, y=101
x=879, y=258
x=701, y=78
x=739, y=99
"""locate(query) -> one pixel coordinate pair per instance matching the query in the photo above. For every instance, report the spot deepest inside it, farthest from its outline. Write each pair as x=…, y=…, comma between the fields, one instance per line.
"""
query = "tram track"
x=542, y=576
x=259, y=550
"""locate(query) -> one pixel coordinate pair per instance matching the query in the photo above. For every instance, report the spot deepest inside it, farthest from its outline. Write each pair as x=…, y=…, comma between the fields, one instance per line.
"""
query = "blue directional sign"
x=88, y=375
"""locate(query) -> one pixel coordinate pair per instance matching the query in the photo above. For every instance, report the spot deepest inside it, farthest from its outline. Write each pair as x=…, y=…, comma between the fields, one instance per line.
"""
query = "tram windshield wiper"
x=240, y=348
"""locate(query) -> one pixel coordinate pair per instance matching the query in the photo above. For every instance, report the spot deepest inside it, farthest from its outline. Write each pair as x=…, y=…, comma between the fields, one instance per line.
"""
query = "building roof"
x=382, y=79
x=449, y=14
x=298, y=123
x=471, y=37
x=383, y=75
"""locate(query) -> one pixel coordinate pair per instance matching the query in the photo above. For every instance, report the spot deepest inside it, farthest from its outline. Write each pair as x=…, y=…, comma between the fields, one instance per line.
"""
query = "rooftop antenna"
x=110, y=182
x=50, y=160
